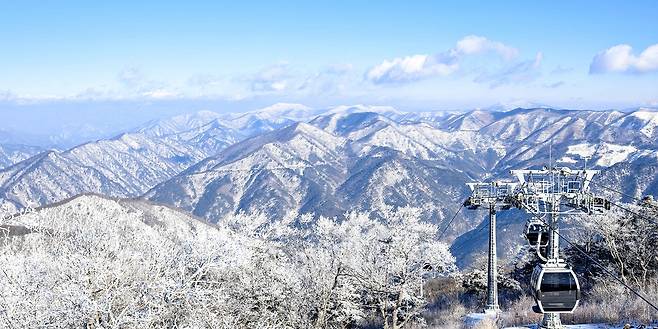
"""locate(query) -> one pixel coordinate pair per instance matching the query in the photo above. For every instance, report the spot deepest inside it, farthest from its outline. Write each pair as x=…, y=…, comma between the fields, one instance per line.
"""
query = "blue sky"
x=414, y=55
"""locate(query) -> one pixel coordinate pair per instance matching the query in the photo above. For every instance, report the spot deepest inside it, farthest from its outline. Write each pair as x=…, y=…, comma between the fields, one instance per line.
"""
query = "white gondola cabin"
x=556, y=288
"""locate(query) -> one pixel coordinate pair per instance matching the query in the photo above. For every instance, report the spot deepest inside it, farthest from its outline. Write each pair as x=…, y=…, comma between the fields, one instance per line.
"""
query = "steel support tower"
x=492, y=266
x=493, y=195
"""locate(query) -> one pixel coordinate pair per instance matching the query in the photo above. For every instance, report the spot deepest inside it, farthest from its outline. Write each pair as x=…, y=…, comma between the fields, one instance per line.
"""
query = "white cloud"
x=520, y=72
x=131, y=77
x=474, y=44
x=284, y=79
x=417, y=67
x=273, y=78
x=204, y=80
x=620, y=59
x=554, y=85
x=339, y=69
x=135, y=84
x=333, y=80
x=160, y=94
x=6, y=95
x=411, y=68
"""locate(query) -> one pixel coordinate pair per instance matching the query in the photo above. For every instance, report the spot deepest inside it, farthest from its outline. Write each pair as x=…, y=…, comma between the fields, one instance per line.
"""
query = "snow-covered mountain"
x=306, y=169
x=288, y=169
x=212, y=131
x=634, y=179
x=209, y=138
x=126, y=166
x=13, y=153
x=418, y=139
x=269, y=118
x=568, y=137
x=384, y=111
x=178, y=124
x=289, y=157
x=348, y=158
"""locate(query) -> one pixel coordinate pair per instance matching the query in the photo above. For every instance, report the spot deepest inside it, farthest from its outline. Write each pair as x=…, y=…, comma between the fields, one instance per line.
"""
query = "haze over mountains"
x=292, y=158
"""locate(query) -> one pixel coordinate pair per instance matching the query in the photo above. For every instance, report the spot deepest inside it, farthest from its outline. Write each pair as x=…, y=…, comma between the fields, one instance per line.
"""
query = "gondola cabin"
x=556, y=288
x=536, y=233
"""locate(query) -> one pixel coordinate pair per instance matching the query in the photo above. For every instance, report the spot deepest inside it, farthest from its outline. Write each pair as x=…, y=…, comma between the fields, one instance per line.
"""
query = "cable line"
x=461, y=206
x=450, y=222
x=634, y=213
x=465, y=241
x=622, y=193
x=608, y=272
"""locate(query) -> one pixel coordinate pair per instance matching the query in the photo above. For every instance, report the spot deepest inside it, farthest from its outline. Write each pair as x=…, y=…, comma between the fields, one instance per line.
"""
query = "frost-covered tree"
x=389, y=260
x=624, y=241
x=99, y=263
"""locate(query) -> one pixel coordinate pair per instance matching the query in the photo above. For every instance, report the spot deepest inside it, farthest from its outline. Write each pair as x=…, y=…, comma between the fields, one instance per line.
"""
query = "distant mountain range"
x=347, y=160
x=125, y=166
x=292, y=158
x=14, y=153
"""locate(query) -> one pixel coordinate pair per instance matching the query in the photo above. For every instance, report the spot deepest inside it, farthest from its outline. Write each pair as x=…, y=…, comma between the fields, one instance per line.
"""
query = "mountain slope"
x=276, y=172
x=178, y=124
x=386, y=177
x=305, y=169
x=470, y=150
x=13, y=153
x=127, y=165
x=269, y=118
x=425, y=164
x=634, y=179
x=344, y=158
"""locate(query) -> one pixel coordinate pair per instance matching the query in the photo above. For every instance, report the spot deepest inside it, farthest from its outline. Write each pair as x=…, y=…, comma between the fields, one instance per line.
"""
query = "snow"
x=270, y=118
x=179, y=123
x=583, y=150
x=611, y=154
x=605, y=154
x=186, y=273
x=345, y=160
x=577, y=326
x=567, y=159
x=348, y=109
x=11, y=154
x=279, y=110
x=126, y=166
x=650, y=119
x=473, y=320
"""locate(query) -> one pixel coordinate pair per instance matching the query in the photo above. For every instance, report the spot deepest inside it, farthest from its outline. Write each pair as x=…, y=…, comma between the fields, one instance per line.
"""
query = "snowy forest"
x=105, y=263
x=100, y=263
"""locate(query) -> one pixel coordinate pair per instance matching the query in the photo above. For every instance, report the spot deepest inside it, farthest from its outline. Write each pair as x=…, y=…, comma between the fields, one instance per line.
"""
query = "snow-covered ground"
x=473, y=319
x=582, y=326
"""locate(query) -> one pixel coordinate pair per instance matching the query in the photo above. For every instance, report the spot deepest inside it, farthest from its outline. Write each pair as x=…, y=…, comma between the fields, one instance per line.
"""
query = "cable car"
x=600, y=204
x=592, y=204
x=556, y=288
x=536, y=233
